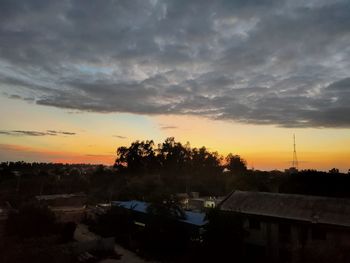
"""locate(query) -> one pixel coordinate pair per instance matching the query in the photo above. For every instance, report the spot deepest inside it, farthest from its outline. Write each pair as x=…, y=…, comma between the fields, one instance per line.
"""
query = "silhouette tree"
x=32, y=221
x=224, y=232
x=139, y=158
x=204, y=161
x=173, y=156
x=334, y=171
x=166, y=206
x=166, y=237
x=235, y=163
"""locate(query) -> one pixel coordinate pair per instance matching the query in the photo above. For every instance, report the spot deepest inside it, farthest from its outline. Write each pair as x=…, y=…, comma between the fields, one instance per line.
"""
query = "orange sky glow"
x=97, y=136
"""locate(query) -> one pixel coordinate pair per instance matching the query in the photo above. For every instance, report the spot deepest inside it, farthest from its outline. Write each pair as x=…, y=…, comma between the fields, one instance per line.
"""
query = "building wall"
x=200, y=204
x=67, y=208
x=61, y=201
x=2, y=228
x=3, y=220
x=69, y=214
x=296, y=242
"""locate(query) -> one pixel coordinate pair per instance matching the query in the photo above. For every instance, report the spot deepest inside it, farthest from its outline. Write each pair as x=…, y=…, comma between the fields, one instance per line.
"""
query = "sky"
x=80, y=78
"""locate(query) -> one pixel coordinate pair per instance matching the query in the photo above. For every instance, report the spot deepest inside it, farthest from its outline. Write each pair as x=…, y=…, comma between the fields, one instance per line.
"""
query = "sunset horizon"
x=269, y=149
x=231, y=76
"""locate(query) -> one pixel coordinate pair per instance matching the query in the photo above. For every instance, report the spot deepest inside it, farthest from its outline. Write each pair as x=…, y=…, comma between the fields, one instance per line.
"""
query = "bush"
x=32, y=221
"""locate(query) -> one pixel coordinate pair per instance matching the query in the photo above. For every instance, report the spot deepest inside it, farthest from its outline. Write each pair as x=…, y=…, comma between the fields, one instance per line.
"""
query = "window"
x=254, y=224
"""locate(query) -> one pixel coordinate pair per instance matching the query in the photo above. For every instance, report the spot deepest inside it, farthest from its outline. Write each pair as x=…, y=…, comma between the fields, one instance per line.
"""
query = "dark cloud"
x=282, y=63
x=52, y=132
x=68, y=133
x=35, y=133
x=5, y=133
x=17, y=97
x=119, y=136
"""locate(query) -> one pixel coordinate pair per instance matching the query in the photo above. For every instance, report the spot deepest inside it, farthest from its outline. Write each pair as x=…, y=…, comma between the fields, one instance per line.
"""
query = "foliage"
x=310, y=182
x=172, y=157
x=116, y=222
x=166, y=207
x=35, y=250
x=138, y=158
x=164, y=238
x=32, y=221
x=334, y=171
x=223, y=233
x=235, y=164
x=144, y=169
x=178, y=166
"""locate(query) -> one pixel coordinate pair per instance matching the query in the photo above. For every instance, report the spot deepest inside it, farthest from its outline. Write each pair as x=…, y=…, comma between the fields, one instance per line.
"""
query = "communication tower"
x=295, y=163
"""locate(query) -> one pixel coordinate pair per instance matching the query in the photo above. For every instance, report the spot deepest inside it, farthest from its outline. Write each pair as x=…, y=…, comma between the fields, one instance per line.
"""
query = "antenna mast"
x=295, y=159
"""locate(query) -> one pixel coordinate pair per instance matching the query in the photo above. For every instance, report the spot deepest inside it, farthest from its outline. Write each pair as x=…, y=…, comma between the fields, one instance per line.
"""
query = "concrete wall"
x=78, y=200
x=293, y=242
x=69, y=214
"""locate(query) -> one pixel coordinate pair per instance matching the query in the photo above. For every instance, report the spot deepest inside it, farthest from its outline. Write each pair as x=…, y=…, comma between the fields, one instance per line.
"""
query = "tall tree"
x=139, y=158
x=174, y=157
x=235, y=163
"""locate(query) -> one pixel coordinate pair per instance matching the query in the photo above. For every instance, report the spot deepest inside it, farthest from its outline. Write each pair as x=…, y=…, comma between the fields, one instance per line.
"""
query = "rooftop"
x=57, y=196
x=313, y=209
x=192, y=218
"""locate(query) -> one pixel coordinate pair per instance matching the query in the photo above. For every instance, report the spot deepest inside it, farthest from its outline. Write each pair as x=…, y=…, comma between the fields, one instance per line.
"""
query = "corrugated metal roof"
x=56, y=196
x=192, y=218
x=133, y=205
x=314, y=209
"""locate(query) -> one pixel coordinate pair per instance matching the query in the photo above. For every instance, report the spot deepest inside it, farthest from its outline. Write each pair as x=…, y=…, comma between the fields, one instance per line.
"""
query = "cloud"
x=168, y=127
x=35, y=133
x=52, y=132
x=5, y=133
x=283, y=63
x=12, y=152
x=68, y=133
x=119, y=136
x=30, y=133
x=17, y=97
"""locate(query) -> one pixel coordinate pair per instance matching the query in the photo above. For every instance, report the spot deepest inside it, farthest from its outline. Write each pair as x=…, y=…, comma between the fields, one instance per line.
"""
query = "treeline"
x=146, y=171
x=21, y=181
x=178, y=165
x=174, y=158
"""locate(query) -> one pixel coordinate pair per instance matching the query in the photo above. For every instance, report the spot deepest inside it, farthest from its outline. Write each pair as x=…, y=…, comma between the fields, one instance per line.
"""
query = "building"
x=191, y=218
x=195, y=203
x=5, y=209
x=67, y=207
x=292, y=228
x=192, y=222
x=202, y=203
x=183, y=199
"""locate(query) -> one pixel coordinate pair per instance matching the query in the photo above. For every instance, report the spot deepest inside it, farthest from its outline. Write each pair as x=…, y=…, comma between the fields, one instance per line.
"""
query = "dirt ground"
x=82, y=233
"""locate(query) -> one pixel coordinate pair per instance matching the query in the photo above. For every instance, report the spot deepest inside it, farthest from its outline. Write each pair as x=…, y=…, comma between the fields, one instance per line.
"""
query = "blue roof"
x=133, y=205
x=192, y=218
